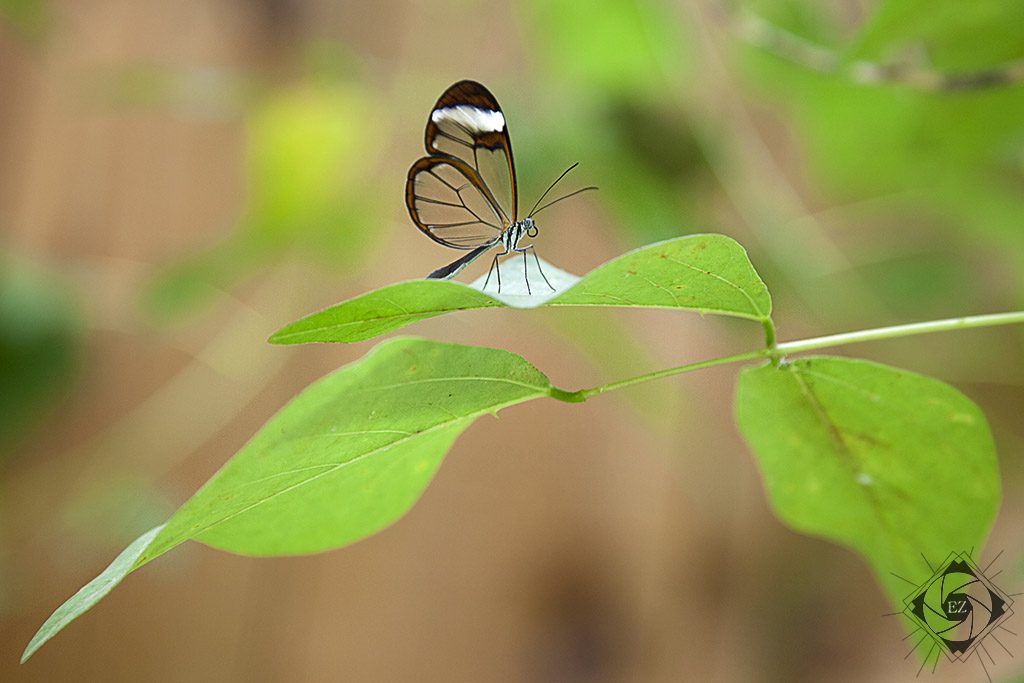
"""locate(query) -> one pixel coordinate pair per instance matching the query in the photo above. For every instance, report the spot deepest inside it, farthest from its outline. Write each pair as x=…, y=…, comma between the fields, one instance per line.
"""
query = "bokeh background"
x=178, y=180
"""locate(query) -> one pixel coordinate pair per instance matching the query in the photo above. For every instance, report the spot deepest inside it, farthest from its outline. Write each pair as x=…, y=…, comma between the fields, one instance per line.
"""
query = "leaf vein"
x=331, y=468
x=430, y=380
x=750, y=299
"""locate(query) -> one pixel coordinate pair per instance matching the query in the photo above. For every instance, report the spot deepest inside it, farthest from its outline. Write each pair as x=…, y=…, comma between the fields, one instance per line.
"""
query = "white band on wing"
x=473, y=118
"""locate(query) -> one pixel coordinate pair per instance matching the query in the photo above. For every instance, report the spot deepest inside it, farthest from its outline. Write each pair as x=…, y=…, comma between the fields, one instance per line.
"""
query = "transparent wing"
x=448, y=201
x=467, y=124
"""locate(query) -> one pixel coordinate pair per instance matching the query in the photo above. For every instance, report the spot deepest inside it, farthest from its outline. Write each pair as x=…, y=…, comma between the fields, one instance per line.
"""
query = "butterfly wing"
x=467, y=124
x=449, y=202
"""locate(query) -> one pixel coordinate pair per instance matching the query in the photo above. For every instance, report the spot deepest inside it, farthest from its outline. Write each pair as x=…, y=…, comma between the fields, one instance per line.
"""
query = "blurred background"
x=179, y=180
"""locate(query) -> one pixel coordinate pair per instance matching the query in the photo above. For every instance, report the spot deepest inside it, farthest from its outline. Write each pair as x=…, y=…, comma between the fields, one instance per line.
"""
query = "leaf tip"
x=91, y=593
x=31, y=648
x=284, y=336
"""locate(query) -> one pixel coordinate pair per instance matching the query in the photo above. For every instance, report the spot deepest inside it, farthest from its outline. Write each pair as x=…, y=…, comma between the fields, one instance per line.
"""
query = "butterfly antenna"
x=550, y=187
x=555, y=201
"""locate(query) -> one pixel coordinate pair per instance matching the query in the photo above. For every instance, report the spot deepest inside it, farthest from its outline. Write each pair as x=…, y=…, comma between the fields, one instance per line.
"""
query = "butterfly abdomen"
x=453, y=269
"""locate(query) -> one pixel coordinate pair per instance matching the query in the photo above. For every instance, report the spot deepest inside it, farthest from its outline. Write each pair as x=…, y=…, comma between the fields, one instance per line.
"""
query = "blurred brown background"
x=179, y=180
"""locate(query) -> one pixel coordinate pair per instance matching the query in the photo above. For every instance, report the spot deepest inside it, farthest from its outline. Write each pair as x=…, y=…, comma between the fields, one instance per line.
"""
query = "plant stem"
x=775, y=351
x=584, y=394
x=895, y=331
x=769, y=339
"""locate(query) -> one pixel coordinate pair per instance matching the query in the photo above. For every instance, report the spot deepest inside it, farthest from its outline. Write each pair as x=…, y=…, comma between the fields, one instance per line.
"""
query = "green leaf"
x=897, y=466
x=705, y=273
x=90, y=593
x=344, y=459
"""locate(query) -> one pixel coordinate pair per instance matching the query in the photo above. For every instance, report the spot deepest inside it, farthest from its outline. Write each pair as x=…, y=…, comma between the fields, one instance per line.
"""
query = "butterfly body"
x=508, y=239
x=463, y=195
x=515, y=232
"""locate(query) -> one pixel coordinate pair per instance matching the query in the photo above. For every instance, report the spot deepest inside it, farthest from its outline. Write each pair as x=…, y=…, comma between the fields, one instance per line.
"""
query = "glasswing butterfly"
x=464, y=195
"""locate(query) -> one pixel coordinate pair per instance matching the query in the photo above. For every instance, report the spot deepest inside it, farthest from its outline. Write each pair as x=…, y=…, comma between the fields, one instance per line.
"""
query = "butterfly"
x=463, y=195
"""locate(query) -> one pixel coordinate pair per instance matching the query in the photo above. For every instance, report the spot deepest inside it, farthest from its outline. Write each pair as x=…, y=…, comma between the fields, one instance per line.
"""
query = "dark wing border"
x=476, y=95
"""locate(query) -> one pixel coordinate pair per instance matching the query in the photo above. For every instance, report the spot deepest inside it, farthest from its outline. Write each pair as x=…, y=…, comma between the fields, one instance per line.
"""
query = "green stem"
x=775, y=351
x=769, y=339
x=895, y=331
x=584, y=394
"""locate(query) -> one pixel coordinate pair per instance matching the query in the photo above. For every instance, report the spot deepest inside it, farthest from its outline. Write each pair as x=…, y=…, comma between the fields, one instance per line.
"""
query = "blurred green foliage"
x=307, y=157
x=610, y=46
x=306, y=149
x=955, y=35
x=950, y=161
x=28, y=17
x=40, y=332
x=621, y=69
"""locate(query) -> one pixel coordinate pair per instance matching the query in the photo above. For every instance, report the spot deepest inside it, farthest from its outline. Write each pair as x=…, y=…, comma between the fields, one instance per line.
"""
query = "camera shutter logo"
x=958, y=608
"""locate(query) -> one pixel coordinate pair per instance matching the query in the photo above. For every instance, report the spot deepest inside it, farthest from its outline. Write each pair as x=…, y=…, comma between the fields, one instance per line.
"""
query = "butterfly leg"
x=526, y=272
x=537, y=259
x=494, y=262
x=494, y=268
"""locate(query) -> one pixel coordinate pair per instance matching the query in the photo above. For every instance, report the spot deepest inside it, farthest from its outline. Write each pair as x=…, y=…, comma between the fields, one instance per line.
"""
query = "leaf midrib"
x=174, y=541
x=757, y=309
x=283, y=336
x=853, y=461
x=426, y=313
